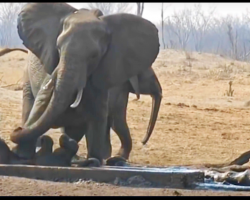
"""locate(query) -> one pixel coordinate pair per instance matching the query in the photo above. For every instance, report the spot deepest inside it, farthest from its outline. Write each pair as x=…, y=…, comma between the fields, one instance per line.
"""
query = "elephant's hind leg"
x=119, y=124
x=121, y=128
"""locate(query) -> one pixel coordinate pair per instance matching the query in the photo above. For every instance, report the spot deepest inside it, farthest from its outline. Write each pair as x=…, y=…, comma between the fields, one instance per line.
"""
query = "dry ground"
x=198, y=122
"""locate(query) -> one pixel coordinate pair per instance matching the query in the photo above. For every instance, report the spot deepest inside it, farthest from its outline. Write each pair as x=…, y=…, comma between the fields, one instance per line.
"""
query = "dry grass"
x=197, y=123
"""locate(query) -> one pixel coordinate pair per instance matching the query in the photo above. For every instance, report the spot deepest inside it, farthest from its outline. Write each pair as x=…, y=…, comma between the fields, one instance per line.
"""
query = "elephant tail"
x=8, y=50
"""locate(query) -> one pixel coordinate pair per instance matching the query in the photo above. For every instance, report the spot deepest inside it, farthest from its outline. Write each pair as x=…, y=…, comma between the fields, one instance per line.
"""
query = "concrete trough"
x=166, y=177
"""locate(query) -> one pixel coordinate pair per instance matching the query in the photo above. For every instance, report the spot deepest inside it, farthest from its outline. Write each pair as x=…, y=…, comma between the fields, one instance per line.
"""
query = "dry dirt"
x=198, y=122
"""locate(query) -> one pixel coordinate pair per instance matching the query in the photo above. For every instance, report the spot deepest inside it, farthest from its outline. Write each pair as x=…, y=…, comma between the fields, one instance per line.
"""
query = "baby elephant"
x=9, y=157
x=61, y=156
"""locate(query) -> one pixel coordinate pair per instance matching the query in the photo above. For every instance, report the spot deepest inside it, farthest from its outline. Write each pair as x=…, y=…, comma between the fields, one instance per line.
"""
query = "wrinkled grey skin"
x=83, y=56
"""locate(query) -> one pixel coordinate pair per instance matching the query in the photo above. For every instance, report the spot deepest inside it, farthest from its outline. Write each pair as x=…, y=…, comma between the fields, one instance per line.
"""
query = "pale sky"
x=152, y=10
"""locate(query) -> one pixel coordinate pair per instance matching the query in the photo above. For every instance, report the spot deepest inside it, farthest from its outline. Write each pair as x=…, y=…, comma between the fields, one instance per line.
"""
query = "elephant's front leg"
x=95, y=138
x=96, y=107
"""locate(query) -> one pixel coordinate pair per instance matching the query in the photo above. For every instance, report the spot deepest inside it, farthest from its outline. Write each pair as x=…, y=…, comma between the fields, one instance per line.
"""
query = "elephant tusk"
x=38, y=149
x=47, y=85
x=78, y=99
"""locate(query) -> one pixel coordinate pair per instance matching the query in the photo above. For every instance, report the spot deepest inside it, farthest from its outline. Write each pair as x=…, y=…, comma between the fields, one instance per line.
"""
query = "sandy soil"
x=198, y=122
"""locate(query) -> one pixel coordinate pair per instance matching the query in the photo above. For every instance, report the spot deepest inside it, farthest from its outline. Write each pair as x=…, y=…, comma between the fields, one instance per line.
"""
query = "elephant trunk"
x=67, y=84
x=42, y=100
x=156, y=102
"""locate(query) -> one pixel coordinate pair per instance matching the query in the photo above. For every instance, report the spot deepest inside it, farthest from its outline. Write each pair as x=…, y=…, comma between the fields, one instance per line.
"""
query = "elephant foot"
x=116, y=161
x=24, y=151
x=124, y=153
x=76, y=158
x=90, y=162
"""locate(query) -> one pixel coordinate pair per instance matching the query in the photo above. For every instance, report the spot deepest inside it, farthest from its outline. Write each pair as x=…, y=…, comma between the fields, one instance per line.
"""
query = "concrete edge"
x=103, y=174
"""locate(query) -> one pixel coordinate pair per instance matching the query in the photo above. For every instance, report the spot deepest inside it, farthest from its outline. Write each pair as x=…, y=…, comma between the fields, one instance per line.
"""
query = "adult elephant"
x=145, y=83
x=81, y=56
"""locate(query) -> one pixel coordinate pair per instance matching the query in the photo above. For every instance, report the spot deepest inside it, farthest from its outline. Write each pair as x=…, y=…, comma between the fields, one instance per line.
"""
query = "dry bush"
x=230, y=91
x=226, y=71
x=163, y=64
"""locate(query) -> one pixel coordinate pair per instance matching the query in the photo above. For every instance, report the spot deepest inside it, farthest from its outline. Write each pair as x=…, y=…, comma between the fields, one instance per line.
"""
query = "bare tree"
x=181, y=25
x=140, y=8
x=162, y=25
x=111, y=8
x=244, y=38
x=201, y=23
x=233, y=39
x=8, y=30
x=163, y=19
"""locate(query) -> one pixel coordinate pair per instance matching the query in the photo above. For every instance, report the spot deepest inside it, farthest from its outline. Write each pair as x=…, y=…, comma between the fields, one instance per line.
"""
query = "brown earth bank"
x=10, y=186
x=199, y=122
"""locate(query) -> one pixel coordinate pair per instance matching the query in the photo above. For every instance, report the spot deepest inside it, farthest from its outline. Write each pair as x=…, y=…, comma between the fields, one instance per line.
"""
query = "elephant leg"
x=76, y=133
x=120, y=125
x=28, y=98
x=121, y=128
x=96, y=107
x=95, y=137
x=107, y=151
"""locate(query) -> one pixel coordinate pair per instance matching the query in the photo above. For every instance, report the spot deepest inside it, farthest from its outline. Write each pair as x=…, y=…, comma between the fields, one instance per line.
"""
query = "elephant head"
x=76, y=46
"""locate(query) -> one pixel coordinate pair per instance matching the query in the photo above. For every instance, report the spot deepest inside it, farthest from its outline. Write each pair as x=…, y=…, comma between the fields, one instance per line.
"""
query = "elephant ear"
x=133, y=47
x=39, y=25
